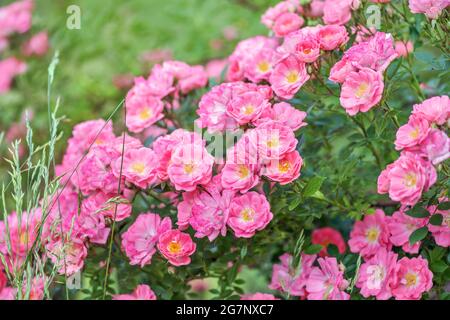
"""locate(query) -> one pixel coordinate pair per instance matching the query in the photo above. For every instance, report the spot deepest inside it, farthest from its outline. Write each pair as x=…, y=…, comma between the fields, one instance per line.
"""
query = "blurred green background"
x=113, y=36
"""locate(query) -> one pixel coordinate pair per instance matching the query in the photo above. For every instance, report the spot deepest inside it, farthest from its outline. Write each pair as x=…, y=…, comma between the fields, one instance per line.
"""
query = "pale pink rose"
x=316, y=8
x=16, y=17
x=92, y=225
x=215, y=68
x=287, y=77
x=407, y=178
x=9, y=69
x=206, y=210
x=435, y=110
x=272, y=140
x=361, y=91
x=188, y=77
x=441, y=233
x=375, y=53
x=190, y=165
x=138, y=166
x=286, y=23
x=284, y=170
x=68, y=256
x=431, y=8
x=259, y=296
x=370, y=235
x=139, y=241
x=164, y=146
x=332, y=37
x=271, y=15
x=286, y=279
x=142, y=292
x=212, y=109
x=327, y=282
x=401, y=226
x=412, y=134
x=142, y=112
x=248, y=214
x=435, y=147
x=341, y=70
x=253, y=58
x=337, y=11
x=247, y=107
x=23, y=230
x=8, y=294
x=285, y=114
x=160, y=83
x=403, y=48
x=412, y=279
x=38, y=45
x=239, y=176
x=177, y=247
x=326, y=236
x=377, y=274
x=95, y=173
x=106, y=204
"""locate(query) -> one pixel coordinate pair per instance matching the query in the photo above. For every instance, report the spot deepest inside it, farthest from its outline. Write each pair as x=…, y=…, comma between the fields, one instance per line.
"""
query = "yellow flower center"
x=411, y=279
x=23, y=238
x=174, y=247
x=145, y=114
x=307, y=50
x=243, y=171
x=273, y=142
x=292, y=77
x=372, y=235
x=247, y=214
x=138, y=167
x=263, y=66
x=361, y=90
x=188, y=168
x=248, y=109
x=410, y=180
x=283, y=166
x=414, y=134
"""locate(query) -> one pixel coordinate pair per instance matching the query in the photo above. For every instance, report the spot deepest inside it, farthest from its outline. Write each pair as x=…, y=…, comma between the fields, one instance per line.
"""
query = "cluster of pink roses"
x=382, y=275
x=17, y=18
x=360, y=71
x=422, y=144
x=149, y=98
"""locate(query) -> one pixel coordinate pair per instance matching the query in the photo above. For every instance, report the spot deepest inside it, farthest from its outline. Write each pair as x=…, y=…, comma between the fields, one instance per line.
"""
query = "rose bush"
x=317, y=160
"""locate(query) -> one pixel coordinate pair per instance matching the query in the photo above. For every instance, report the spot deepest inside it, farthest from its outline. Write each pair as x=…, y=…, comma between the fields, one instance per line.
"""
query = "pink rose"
x=140, y=239
x=377, y=274
x=431, y=8
x=412, y=279
x=284, y=170
x=288, y=75
x=361, y=91
x=177, y=247
x=327, y=282
x=38, y=45
x=407, y=178
x=142, y=292
x=412, y=134
x=370, y=234
x=326, y=236
x=286, y=23
x=249, y=213
x=435, y=110
x=401, y=226
x=332, y=37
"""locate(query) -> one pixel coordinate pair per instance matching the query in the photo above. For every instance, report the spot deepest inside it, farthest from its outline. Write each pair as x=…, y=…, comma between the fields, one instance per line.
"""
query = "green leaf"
x=333, y=250
x=418, y=212
x=418, y=235
x=313, y=249
x=444, y=205
x=439, y=266
x=313, y=186
x=294, y=204
x=436, y=219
